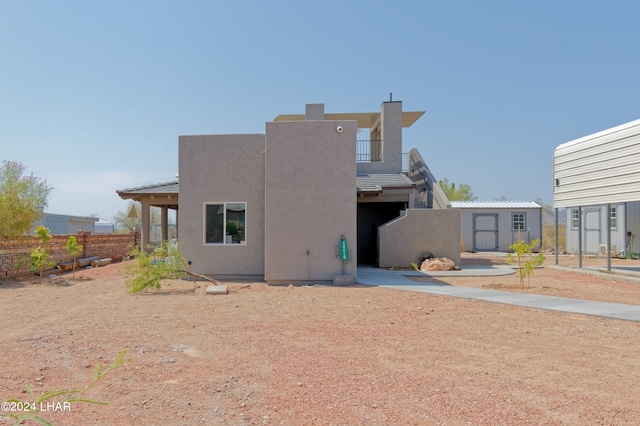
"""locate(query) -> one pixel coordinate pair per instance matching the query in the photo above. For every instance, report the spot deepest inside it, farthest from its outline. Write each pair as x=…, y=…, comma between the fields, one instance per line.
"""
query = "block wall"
x=14, y=252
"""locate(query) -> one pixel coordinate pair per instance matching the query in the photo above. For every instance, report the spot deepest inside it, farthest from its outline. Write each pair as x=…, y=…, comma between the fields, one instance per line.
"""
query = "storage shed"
x=596, y=177
x=63, y=224
x=495, y=225
x=624, y=220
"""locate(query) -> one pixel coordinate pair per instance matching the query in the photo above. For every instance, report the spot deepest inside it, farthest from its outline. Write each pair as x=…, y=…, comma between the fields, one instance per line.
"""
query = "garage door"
x=485, y=232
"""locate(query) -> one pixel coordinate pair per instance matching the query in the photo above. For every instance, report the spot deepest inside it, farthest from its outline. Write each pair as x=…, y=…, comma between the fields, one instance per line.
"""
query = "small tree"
x=22, y=199
x=151, y=266
x=526, y=259
x=461, y=193
x=39, y=257
x=74, y=250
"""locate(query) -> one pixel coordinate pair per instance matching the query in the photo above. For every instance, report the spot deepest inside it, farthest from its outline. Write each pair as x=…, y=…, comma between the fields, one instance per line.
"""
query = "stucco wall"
x=15, y=251
x=391, y=134
x=406, y=239
x=218, y=169
x=310, y=193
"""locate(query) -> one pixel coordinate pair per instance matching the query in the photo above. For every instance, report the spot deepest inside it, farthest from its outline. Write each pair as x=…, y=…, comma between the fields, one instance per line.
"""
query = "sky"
x=93, y=95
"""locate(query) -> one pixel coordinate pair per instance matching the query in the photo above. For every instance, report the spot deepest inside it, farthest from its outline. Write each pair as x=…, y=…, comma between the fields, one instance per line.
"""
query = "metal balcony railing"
x=368, y=151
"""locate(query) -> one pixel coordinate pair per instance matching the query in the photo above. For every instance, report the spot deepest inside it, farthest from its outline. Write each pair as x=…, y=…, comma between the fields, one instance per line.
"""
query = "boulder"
x=437, y=264
x=426, y=256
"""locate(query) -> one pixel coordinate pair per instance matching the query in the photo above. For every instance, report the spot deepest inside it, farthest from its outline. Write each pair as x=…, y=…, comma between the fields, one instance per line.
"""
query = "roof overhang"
x=377, y=184
x=166, y=191
x=366, y=120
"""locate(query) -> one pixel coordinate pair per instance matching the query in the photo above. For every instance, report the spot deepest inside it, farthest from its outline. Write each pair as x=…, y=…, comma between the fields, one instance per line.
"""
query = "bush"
x=74, y=250
x=525, y=258
x=39, y=257
x=153, y=265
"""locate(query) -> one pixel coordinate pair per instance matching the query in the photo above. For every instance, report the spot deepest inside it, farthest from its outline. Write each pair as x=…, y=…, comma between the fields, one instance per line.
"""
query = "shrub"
x=74, y=250
x=151, y=266
x=525, y=258
x=39, y=257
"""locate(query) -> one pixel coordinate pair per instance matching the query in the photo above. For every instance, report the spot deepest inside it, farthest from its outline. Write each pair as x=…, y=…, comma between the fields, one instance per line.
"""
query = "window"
x=224, y=223
x=518, y=222
x=613, y=218
x=575, y=218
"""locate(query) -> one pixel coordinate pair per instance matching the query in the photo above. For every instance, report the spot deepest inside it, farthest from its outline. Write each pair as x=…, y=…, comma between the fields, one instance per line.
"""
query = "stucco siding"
x=391, y=134
x=310, y=193
x=407, y=238
x=222, y=169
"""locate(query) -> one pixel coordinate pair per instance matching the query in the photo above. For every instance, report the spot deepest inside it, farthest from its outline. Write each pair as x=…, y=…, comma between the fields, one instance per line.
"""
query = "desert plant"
x=414, y=266
x=21, y=411
x=526, y=259
x=151, y=266
x=74, y=250
x=39, y=257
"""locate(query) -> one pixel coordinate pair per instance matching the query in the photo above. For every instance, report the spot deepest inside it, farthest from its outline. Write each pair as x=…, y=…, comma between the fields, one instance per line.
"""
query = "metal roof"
x=70, y=217
x=167, y=188
x=494, y=205
x=594, y=136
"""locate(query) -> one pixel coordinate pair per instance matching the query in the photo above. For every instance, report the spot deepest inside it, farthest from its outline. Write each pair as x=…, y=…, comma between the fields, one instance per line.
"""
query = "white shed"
x=495, y=225
x=598, y=177
x=624, y=219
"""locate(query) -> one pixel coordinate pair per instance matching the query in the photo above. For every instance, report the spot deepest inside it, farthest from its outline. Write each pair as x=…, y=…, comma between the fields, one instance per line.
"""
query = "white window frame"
x=513, y=221
x=613, y=218
x=224, y=240
x=575, y=218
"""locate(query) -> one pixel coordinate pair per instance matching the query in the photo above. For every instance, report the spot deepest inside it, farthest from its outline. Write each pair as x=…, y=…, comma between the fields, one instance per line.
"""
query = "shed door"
x=485, y=232
x=591, y=230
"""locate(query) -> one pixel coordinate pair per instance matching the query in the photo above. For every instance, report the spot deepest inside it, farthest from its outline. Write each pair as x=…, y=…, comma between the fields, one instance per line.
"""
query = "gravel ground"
x=321, y=355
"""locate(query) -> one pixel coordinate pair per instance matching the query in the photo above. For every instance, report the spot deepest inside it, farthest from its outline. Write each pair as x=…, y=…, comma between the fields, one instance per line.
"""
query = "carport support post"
x=580, y=237
x=609, y=237
x=557, y=234
x=145, y=219
x=164, y=221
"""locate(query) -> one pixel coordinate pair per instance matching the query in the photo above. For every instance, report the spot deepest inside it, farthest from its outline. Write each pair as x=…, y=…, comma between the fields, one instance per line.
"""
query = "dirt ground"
x=321, y=355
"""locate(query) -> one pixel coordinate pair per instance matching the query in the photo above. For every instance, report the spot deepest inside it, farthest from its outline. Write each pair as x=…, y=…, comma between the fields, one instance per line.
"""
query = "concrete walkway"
x=399, y=280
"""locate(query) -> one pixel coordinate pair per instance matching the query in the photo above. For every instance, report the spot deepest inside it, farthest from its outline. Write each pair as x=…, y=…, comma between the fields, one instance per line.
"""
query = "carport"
x=600, y=169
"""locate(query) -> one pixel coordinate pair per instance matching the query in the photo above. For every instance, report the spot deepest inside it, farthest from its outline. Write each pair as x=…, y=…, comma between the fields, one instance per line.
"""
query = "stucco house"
x=275, y=206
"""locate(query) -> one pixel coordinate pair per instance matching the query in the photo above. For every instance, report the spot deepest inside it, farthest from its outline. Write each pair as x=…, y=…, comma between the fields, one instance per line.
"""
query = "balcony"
x=370, y=151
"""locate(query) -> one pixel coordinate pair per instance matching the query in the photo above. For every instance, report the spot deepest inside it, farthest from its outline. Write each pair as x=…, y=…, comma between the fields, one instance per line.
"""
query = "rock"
x=426, y=256
x=437, y=264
